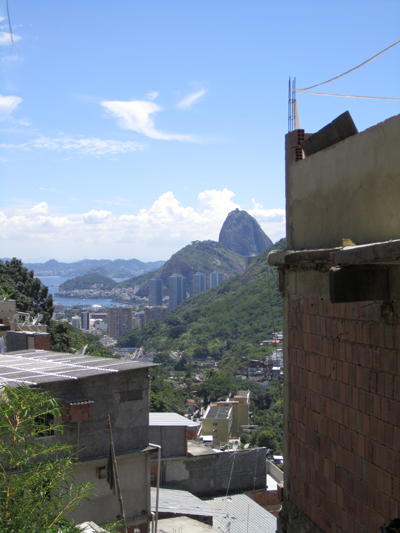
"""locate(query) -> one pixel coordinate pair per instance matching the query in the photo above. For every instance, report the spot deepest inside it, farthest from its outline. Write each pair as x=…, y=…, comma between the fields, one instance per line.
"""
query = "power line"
x=348, y=72
x=347, y=95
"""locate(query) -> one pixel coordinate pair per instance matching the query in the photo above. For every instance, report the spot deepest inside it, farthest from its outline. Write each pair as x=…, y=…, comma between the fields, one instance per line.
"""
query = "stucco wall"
x=130, y=424
x=209, y=475
x=351, y=190
x=129, y=419
x=171, y=439
x=133, y=472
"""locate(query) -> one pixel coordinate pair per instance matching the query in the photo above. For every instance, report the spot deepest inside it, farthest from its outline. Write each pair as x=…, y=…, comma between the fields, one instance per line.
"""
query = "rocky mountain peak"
x=242, y=234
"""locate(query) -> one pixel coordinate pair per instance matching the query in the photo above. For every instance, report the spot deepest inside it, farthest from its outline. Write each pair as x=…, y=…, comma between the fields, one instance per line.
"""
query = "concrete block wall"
x=344, y=416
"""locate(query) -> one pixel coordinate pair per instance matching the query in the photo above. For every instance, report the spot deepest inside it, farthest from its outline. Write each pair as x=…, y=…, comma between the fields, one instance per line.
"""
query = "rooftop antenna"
x=293, y=115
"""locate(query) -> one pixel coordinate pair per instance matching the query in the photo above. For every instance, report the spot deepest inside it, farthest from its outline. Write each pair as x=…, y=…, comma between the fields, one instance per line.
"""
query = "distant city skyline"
x=125, y=144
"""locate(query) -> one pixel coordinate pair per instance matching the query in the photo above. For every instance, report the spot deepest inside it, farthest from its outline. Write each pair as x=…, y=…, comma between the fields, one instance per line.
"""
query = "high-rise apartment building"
x=177, y=290
x=216, y=278
x=158, y=313
x=85, y=320
x=119, y=321
x=76, y=322
x=155, y=291
x=199, y=283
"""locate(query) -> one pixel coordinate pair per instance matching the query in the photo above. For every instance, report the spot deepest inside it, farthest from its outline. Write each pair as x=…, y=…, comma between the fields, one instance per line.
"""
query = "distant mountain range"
x=118, y=268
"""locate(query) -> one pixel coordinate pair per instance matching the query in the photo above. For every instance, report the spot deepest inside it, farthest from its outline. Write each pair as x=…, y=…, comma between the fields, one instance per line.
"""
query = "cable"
x=348, y=95
x=348, y=72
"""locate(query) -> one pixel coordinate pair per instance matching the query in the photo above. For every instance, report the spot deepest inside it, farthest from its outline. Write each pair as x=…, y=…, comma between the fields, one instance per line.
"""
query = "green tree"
x=37, y=489
x=30, y=294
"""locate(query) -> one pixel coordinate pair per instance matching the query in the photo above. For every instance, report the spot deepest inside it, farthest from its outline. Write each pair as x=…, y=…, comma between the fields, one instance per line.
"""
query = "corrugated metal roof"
x=183, y=503
x=32, y=367
x=170, y=419
x=244, y=514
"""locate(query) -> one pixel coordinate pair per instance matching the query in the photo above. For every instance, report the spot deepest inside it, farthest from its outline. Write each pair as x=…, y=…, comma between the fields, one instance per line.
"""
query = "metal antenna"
x=293, y=116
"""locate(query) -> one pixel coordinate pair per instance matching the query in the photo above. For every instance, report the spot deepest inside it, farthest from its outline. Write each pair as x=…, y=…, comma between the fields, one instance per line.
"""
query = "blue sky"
x=130, y=128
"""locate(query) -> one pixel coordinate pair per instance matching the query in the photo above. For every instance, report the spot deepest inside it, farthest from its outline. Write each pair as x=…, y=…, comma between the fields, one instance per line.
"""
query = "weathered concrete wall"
x=171, y=439
x=111, y=393
x=133, y=472
x=351, y=189
x=208, y=475
x=129, y=417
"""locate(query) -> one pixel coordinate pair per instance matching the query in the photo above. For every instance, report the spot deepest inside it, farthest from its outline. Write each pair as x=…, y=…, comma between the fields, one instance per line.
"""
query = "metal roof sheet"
x=218, y=411
x=31, y=367
x=170, y=419
x=243, y=513
x=183, y=503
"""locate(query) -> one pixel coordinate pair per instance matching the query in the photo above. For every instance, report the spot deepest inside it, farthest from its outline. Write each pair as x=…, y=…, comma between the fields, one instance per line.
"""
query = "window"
x=101, y=472
x=45, y=421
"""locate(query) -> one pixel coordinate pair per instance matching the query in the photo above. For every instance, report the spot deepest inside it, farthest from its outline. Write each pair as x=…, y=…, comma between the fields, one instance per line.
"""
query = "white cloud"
x=150, y=234
x=272, y=221
x=135, y=115
x=8, y=104
x=90, y=146
x=96, y=217
x=40, y=209
x=5, y=38
x=187, y=102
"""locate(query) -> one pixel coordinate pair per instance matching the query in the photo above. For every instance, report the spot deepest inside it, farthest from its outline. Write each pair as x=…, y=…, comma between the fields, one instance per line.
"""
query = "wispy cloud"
x=135, y=115
x=189, y=100
x=8, y=104
x=5, y=38
x=50, y=190
x=91, y=146
x=154, y=233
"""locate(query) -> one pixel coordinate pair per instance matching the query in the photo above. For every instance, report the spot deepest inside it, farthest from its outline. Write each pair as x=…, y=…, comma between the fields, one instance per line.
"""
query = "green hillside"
x=203, y=256
x=227, y=322
x=88, y=281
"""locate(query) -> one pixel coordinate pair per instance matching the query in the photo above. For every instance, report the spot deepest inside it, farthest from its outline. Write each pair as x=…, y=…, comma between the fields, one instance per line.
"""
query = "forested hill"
x=88, y=281
x=203, y=256
x=227, y=322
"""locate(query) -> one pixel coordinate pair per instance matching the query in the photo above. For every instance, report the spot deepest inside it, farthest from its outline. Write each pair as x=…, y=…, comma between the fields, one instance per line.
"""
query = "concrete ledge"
x=382, y=253
x=300, y=257
x=387, y=252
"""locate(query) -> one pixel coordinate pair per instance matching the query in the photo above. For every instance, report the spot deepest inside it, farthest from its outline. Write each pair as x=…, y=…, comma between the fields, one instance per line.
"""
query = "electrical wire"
x=348, y=96
x=347, y=72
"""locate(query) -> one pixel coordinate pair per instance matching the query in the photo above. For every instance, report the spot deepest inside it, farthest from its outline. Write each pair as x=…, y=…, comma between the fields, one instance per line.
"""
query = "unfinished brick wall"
x=344, y=426
x=271, y=497
x=42, y=341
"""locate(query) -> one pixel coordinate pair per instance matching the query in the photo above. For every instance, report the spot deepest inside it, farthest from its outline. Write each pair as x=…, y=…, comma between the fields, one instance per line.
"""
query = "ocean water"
x=54, y=282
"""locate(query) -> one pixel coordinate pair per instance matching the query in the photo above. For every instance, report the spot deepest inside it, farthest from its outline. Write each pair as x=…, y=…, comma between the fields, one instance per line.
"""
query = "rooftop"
x=183, y=524
x=170, y=419
x=182, y=502
x=218, y=411
x=243, y=514
x=32, y=367
x=242, y=394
